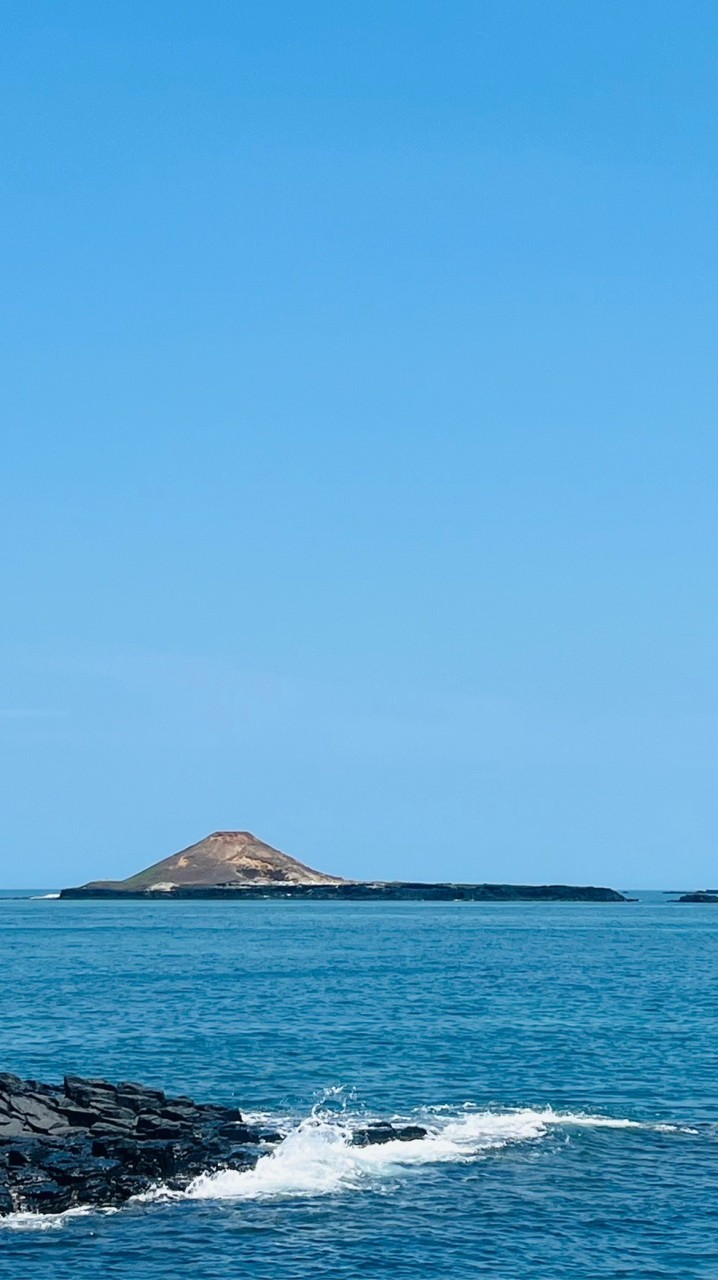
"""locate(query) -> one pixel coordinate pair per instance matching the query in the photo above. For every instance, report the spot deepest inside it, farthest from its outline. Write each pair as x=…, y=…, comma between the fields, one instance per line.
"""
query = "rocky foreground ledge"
x=88, y=1142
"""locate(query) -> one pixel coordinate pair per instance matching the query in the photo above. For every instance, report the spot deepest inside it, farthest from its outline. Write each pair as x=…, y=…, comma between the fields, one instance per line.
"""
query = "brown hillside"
x=225, y=857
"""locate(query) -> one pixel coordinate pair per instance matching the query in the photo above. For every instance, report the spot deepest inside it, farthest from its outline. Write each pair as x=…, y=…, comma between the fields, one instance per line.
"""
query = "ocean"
x=562, y=1056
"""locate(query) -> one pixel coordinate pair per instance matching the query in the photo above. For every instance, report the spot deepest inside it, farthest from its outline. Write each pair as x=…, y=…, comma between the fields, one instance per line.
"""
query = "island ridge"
x=238, y=865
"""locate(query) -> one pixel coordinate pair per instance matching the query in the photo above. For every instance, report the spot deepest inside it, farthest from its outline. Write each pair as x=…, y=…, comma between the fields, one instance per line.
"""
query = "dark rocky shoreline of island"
x=92, y=1143
x=359, y=891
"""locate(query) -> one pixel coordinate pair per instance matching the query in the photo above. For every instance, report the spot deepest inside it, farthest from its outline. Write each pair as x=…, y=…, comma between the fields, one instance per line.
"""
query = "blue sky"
x=359, y=466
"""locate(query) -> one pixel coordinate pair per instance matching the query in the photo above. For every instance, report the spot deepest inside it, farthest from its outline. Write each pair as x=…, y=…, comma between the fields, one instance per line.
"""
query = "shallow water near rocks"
x=562, y=1058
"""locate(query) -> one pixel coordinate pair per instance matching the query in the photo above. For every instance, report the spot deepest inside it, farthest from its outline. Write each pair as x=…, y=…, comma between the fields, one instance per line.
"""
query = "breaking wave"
x=317, y=1157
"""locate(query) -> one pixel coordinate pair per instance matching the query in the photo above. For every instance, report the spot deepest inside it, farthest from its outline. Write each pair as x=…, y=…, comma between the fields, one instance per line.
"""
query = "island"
x=238, y=866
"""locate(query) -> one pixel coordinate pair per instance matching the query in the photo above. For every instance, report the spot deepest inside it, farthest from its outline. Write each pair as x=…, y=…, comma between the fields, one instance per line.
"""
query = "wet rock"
x=10, y=1084
x=241, y=1133
x=90, y=1142
x=34, y=1113
x=150, y=1127
x=382, y=1131
x=78, y=1116
x=10, y=1128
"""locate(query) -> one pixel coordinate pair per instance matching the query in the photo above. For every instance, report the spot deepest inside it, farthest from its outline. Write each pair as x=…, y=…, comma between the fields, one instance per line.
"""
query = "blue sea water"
x=563, y=1057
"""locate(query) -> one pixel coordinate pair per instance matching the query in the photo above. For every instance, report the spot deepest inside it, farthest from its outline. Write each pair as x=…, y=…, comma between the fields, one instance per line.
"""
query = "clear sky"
x=359, y=463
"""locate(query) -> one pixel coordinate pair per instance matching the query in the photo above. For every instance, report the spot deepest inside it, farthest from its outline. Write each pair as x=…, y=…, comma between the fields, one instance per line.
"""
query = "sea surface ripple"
x=562, y=1058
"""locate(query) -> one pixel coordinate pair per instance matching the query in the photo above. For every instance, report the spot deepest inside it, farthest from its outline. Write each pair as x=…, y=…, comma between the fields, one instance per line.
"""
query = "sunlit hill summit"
x=222, y=858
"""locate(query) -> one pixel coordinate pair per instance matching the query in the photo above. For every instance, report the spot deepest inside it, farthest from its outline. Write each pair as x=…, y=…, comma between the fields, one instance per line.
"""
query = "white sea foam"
x=318, y=1158
x=22, y=1221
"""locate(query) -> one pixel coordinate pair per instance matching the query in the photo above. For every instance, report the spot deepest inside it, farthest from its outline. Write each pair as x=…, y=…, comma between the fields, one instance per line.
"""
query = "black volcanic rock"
x=89, y=1142
x=382, y=1131
x=360, y=891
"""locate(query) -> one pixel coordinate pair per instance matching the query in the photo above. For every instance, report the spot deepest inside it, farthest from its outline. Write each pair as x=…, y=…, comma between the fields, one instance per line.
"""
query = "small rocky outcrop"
x=382, y=1131
x=89, y=1142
